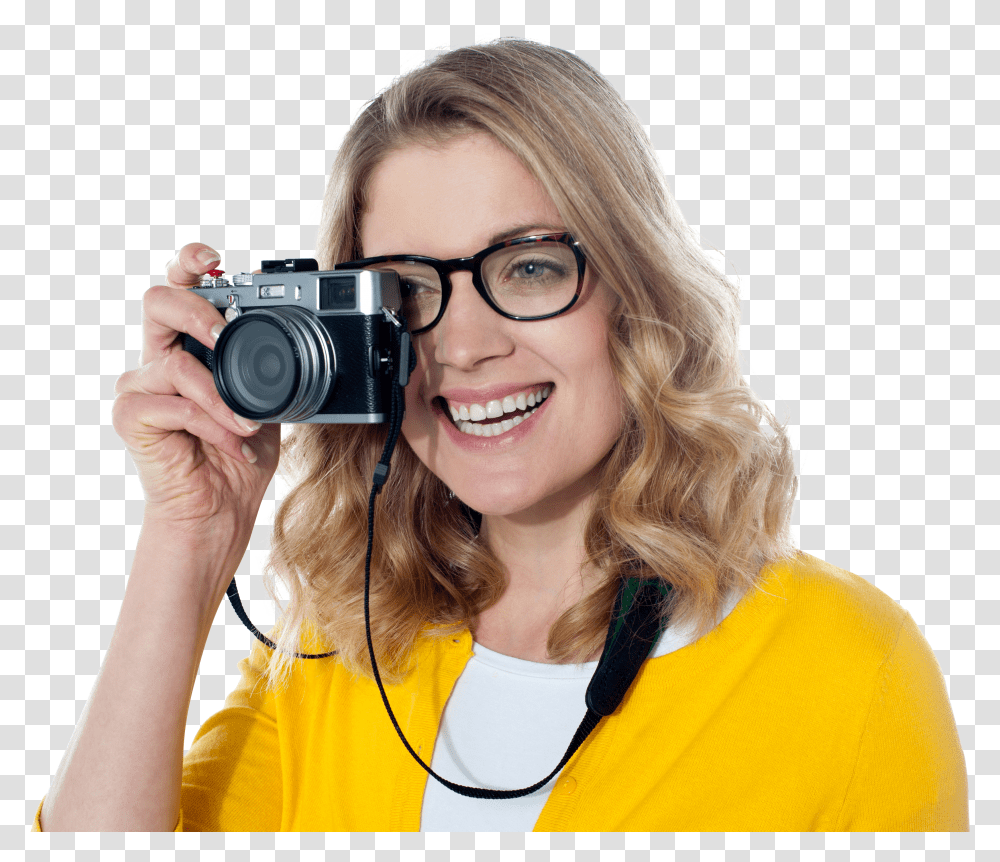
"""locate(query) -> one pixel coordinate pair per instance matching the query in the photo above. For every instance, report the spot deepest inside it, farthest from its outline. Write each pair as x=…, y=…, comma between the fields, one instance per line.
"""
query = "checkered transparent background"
x=840, y=157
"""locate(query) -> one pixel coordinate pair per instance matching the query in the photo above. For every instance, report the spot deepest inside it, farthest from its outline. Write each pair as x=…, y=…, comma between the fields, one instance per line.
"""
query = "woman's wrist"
x=196, y=558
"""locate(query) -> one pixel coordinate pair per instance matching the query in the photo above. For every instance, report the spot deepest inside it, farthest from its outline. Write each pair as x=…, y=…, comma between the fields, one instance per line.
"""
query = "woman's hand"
x=203, y=468
x=204, y=472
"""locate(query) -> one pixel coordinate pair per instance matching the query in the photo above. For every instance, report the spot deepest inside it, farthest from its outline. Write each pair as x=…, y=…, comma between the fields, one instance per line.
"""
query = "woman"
x=784, y=695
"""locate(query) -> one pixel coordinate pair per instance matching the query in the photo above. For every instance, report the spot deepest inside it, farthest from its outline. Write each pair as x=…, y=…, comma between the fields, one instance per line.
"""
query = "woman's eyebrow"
x=502, y=236
x=525, y=230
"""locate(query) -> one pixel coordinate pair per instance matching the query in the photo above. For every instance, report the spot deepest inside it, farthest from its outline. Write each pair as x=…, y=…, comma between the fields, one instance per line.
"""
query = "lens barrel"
x=275, y=365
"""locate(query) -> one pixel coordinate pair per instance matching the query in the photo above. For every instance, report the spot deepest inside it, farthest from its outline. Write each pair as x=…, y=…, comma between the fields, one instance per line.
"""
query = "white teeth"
x=469, y=417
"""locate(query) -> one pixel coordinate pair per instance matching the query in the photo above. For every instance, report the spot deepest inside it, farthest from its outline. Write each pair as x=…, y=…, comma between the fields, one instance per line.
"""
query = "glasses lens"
x=532, y=279
x=420, y=288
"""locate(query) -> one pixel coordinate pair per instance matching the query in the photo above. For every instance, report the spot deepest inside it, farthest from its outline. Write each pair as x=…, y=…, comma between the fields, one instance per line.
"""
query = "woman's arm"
x=910, y=773
x=122, y=768
x=204, y=472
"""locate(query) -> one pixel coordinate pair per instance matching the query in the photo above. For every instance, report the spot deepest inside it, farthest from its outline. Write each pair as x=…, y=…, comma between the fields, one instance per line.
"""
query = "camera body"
x=303, y=345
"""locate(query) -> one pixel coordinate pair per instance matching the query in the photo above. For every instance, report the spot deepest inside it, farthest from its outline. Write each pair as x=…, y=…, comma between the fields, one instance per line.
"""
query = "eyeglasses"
x=528, y=278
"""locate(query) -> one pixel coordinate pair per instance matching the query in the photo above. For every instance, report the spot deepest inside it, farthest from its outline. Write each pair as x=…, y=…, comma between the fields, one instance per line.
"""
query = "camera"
x=303, y=345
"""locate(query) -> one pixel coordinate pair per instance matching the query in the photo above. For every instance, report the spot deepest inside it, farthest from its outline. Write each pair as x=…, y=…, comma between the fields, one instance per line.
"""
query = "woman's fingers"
x=171, y=390
x=190, y=264
x=143, y=420
x=179, y=373
x=167, y=311
x=170, y=309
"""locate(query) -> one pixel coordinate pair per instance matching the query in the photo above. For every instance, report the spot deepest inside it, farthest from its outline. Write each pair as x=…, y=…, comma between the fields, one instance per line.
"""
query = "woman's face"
x=453, y=200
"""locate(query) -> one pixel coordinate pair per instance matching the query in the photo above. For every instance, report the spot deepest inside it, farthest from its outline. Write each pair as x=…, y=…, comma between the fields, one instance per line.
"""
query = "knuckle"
x=153, y=295
x=214, y=400
x=195, y=318
x=177, y=364
x=123, y=383
x=155, y=302
x=187, y=410
x=122, y=410
x=186, y=370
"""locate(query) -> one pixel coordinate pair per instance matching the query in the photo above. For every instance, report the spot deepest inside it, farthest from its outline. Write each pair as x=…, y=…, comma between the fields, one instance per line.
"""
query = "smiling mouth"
x=495, y=417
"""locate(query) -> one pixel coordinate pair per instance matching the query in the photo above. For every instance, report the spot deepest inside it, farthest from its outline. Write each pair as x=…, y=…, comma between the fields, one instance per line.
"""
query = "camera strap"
x=400, y=371
x=636, y=621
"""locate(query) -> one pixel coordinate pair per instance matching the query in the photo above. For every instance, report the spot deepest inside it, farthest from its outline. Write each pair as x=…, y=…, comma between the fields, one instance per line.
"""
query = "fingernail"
x=206, y=256
x=248, y=424
x=248, y=453
x=216, y=331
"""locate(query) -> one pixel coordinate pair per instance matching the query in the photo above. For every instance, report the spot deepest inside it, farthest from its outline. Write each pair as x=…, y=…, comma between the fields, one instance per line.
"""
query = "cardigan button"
x=567, y=785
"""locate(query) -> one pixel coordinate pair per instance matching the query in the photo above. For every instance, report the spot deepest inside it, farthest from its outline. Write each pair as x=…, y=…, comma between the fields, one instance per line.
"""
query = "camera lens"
x=274, y=365
x=261, y=366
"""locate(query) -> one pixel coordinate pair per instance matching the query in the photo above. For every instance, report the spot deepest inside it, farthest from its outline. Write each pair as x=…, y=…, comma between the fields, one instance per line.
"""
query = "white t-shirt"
x=506, y=725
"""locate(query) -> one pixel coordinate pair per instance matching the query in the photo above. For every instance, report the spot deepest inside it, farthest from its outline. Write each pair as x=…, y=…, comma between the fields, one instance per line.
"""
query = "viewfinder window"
x=337, y=293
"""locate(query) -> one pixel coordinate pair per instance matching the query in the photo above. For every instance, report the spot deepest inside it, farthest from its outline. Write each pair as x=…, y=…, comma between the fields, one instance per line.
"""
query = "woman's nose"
x=469, y=331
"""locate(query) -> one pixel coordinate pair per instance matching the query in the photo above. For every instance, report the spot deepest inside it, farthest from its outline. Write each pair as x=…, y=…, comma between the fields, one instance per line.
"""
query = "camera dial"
x=213, y=278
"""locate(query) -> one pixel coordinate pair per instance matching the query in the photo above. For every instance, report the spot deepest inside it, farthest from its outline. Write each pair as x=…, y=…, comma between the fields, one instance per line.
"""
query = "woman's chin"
x=533, y=506
x=492, y=506
x=497, y=501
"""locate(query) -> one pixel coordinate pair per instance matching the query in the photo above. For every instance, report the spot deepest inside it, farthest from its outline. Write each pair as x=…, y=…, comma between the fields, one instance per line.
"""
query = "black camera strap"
x=636, y=621
x=400, y=347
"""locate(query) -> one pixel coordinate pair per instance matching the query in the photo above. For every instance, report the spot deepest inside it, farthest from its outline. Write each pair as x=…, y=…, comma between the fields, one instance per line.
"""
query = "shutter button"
x=567, y=785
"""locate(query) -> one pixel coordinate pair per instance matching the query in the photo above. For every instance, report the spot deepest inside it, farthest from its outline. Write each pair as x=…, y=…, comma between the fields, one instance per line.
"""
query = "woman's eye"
x=412, y=287
x=535, y=269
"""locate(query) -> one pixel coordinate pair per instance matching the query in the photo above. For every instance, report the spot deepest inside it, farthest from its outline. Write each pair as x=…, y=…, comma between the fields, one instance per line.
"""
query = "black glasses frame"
x=474, y=265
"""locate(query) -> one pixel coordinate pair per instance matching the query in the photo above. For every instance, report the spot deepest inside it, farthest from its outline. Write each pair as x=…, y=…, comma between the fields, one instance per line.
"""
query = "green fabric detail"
x=632, y=587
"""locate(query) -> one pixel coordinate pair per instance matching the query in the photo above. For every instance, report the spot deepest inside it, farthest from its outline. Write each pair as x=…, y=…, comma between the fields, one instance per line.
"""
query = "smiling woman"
x=475, y=358
x=649, y=452
x=578, y=437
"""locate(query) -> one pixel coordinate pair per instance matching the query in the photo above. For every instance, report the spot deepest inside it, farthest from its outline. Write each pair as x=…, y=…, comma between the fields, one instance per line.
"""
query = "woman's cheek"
x=419, y=417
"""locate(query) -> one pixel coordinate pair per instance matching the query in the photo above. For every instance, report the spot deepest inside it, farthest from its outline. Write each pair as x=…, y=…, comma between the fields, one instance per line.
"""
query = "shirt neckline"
x=523, y=667
x=669, y=642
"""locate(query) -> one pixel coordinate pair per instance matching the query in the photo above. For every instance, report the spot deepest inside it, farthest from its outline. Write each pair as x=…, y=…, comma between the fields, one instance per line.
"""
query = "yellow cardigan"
x=816, y=705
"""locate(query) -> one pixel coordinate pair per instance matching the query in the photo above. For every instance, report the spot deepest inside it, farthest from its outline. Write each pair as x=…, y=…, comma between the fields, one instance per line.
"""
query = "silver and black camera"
x=302, y=345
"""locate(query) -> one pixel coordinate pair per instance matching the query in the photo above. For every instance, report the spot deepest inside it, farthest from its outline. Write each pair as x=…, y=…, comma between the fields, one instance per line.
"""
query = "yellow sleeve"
x=232, y=775
x=910, y=775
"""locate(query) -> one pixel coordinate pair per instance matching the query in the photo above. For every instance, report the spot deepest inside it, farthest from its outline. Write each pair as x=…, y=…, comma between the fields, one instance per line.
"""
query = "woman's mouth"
x=496, y=417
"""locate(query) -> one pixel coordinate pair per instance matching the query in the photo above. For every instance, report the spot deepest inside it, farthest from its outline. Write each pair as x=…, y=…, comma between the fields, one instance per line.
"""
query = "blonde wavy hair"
x=697, y=490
